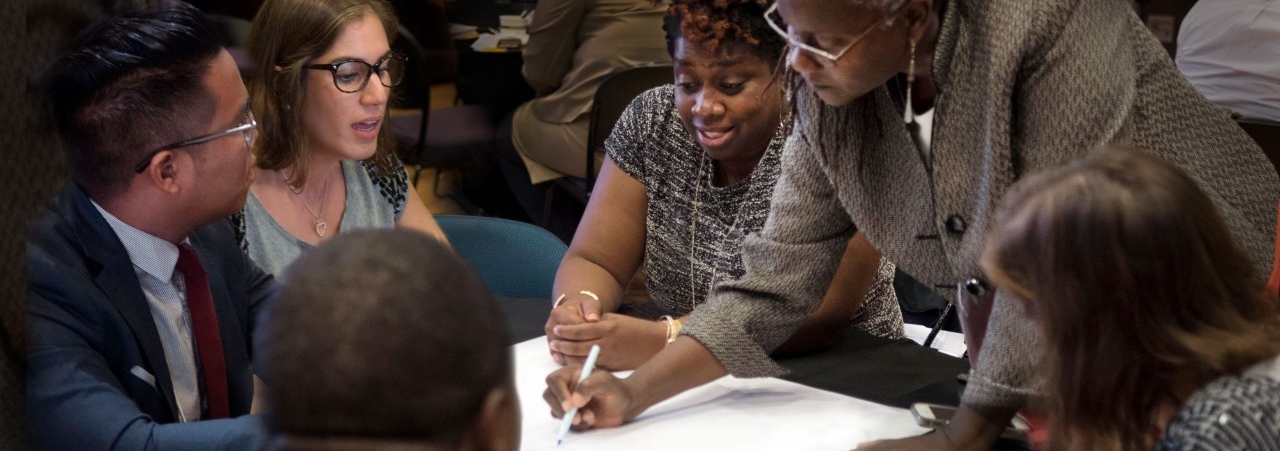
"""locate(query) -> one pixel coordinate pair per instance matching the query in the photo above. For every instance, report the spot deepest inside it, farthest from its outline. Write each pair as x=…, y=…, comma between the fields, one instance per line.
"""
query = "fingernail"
x=556, y=330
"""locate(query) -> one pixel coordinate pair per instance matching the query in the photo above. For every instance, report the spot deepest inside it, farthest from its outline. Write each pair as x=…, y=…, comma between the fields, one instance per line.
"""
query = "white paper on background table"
x=487, y=41
x=727, y=414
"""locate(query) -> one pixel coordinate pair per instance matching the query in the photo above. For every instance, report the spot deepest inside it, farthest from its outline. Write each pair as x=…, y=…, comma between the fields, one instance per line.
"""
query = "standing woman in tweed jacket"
x=994, y=89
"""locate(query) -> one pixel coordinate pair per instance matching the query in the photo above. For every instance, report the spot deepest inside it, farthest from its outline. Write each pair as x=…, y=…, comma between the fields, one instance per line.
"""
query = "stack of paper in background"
x=460, y=31
x=512, y=36
x=503, y=41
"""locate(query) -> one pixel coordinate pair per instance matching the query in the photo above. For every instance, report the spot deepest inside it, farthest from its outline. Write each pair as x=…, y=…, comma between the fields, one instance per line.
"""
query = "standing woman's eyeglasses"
x=772, y=16
x=352, y=76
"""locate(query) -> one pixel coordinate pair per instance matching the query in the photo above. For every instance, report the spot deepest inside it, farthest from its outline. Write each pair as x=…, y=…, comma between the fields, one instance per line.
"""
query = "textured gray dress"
x=1023, y=85
x=683, y=260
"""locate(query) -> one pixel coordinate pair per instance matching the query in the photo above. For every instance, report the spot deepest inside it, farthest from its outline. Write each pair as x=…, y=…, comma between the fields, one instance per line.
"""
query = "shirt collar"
x=152, y=254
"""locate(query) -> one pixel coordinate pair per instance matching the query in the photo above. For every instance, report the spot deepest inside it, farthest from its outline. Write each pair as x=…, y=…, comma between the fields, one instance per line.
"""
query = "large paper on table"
x=727, y=414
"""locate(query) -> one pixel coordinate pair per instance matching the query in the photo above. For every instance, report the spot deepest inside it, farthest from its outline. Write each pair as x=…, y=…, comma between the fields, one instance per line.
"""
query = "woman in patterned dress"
x=689, y=172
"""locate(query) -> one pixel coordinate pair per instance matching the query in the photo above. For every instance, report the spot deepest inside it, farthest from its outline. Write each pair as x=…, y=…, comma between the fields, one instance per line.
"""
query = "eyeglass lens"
x=251, y=134
x=351, y=76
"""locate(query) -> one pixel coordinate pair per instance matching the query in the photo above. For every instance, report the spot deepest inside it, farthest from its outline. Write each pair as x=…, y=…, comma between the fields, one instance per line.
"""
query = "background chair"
x=616, y=91
x=515, y=259
x=444, y=138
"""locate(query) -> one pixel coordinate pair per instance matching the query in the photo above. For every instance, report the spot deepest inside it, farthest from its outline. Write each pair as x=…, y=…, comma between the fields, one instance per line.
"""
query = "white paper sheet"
x=727, y=414
x=947, y=342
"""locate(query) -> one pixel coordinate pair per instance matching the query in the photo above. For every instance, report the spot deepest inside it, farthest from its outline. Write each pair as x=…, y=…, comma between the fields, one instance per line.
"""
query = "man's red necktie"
x=204, y=322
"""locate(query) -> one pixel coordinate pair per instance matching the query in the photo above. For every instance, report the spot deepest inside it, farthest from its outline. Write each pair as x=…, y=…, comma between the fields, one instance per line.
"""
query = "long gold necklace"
x=693, y=231
x=321, y=227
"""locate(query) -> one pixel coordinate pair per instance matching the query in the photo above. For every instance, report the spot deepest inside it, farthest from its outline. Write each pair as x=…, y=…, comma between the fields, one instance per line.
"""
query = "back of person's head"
x=386, y=340
x=130, y=84
x=716, y=23
x=1137, y=285
x=287, y=35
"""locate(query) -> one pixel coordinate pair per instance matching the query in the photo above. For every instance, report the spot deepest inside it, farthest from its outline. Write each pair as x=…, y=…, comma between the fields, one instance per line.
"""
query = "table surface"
x=891, y=372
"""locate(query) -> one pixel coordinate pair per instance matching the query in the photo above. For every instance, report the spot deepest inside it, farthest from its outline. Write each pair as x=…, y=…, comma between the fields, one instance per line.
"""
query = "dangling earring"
x=908, y=112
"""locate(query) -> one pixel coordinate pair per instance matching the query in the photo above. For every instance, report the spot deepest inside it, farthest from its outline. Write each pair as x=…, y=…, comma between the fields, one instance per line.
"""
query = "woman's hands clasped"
x=625, y=342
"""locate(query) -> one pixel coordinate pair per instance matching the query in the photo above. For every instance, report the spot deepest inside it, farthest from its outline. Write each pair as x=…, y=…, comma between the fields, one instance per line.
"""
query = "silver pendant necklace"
x=321, y=227
x=693, y=231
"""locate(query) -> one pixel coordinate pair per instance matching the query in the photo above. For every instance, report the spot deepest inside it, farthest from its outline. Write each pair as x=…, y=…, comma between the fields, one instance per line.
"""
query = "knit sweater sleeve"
x=788, y=264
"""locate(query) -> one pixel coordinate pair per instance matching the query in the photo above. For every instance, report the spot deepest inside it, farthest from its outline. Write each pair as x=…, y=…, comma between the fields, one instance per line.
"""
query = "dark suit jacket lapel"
x=117, y=279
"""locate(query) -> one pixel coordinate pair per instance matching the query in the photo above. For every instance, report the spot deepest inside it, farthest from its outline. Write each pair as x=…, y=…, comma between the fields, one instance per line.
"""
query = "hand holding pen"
x=587, y=399
x=573, y=411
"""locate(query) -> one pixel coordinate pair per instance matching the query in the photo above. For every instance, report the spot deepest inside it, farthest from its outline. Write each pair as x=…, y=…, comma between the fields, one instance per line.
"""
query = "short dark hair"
x=383, y=334
x=129, y=84
x=712, y=23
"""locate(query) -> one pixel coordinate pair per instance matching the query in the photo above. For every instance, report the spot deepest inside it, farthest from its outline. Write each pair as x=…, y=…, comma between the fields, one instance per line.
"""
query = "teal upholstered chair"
x=515, y=259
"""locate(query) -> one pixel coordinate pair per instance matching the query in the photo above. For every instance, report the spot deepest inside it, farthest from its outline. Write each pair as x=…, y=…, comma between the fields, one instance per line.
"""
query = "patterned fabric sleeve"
x=392, y=182
x=1231, y=412
x=628, y=143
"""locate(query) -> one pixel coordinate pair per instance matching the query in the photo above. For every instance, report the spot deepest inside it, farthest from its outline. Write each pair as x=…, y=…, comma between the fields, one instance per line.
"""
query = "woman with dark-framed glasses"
x=913, y=117
x=325, y=152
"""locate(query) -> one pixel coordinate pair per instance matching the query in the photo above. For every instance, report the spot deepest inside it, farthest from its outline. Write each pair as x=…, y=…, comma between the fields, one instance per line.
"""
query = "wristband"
x=673, y=328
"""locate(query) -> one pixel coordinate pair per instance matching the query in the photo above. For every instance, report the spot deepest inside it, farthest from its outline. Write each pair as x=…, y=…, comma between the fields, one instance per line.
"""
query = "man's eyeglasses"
x=249, y=129
x=353, y=75
x=772, y=16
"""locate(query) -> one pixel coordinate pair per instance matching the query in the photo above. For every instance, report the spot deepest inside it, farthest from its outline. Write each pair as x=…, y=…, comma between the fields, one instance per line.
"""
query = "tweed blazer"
x=1022, y=86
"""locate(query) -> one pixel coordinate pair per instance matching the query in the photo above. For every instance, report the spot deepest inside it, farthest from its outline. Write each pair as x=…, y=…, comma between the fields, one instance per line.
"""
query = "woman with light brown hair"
x=324, y=151
x=1154, y=330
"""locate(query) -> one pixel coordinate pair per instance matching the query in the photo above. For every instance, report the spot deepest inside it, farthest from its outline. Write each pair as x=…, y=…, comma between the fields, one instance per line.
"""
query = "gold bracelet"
x=562, y=296
x=673, y=328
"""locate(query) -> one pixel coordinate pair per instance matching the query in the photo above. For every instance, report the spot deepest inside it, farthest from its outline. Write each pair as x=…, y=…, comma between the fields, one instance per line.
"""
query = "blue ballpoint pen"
x=589, y=365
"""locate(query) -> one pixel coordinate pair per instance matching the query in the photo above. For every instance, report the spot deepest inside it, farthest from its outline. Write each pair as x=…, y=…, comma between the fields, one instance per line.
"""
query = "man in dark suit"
x=140, y=304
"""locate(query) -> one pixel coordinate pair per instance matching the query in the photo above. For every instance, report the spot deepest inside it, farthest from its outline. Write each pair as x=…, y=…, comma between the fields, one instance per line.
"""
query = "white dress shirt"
x=153, y=261
x=1230, y=51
